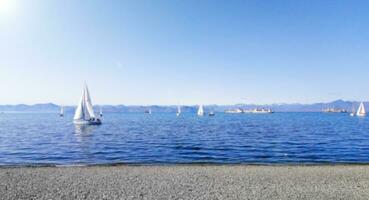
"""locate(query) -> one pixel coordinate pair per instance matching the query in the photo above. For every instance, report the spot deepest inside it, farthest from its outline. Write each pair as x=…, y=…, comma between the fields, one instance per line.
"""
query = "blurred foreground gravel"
x=186, y=182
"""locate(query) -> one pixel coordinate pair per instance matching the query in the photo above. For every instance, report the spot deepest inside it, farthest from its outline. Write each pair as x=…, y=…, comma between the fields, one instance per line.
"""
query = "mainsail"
x=61, y=110
x=84, y=109
x=178, y=110
x=200, y=112
x=361, y=111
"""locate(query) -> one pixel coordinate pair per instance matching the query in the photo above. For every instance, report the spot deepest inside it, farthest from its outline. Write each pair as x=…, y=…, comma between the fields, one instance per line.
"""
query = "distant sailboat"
x=61, y=114
x=101, y=113
x=361, y=111
x=200, y=112
x=84, y=114
x=148, y=111
x=178, y=110
x=353, y=110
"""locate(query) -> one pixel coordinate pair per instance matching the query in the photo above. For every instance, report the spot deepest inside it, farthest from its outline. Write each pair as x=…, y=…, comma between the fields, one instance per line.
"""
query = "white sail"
x=200, y=112
x=80, y=113
x=84, y=109
x=178, y=110
x=101, y=113
x=361, y=111
x=62, y=110
x=88, y=103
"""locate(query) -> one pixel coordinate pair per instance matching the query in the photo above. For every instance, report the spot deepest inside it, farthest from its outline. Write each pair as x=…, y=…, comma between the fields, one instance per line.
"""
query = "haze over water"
x=279, y=138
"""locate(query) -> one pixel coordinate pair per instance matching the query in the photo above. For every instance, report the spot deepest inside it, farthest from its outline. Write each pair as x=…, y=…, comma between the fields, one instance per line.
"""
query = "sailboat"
x=61, y=114
x=361, y=111
x=101, y=113
x=352, y=114
x=211, y=113
x=178, y=111
x=85, y=114
x=200, y=112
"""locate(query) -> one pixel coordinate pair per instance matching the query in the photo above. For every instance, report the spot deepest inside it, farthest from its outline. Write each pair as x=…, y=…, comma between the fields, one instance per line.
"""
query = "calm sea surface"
x=163, y=138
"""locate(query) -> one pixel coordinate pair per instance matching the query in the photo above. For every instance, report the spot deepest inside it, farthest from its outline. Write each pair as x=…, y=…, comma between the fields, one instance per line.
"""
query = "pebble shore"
x=186, y=182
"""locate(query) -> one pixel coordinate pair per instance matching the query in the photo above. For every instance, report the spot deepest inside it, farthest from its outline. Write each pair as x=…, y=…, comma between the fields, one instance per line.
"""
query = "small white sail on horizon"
x=101, y=113
x=61, y=114
x=353, y=111
x=200, y=112
x=85, y=113
x=361, y=111
x=178, y=110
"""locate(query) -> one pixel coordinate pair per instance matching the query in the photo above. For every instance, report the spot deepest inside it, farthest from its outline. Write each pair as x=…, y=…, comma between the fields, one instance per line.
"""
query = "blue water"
x=163, y=138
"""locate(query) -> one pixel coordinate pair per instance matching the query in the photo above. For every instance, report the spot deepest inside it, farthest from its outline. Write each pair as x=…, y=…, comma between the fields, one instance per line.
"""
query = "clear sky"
x=183, y=51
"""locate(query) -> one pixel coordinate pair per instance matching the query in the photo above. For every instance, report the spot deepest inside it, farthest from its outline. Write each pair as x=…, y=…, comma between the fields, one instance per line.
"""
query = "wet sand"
x=186, y=182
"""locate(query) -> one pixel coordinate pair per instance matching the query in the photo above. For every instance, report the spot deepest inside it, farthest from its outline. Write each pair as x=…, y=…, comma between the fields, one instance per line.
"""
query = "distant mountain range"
x=316, y=107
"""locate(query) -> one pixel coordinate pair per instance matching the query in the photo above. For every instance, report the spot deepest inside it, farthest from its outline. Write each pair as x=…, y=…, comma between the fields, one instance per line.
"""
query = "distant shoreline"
x=138, y=112
x=183, y=164
x=276, y=107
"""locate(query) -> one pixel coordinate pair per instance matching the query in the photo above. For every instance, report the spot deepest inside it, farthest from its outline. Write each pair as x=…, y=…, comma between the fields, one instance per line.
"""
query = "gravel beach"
x=186, y=182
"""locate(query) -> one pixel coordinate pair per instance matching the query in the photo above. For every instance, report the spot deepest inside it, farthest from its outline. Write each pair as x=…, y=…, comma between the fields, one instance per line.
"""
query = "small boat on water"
x=148, y=111
x=262, y=111
x=234, y=111
x=334, y=110
x=200, y=111
x=100, y=113
x=361, y=111
x=178, y=111
x=211, y=114
x=85, y=114
x=352, y=114
x=61, y=114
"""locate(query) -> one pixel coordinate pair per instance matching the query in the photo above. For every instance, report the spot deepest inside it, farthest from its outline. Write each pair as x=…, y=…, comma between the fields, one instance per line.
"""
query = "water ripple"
x=164, y=138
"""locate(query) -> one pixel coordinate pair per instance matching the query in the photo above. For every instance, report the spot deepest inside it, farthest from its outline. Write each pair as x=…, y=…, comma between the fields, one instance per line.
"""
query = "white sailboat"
x=211, y=113
x=85, y=114
x=101, y=113
x=61, y=114
x=361, y=111
x=200, y=112
x=178, y=111
x=352, y=114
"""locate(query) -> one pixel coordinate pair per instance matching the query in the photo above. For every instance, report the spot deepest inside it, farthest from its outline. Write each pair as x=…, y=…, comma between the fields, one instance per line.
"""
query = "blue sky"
x=183, y=51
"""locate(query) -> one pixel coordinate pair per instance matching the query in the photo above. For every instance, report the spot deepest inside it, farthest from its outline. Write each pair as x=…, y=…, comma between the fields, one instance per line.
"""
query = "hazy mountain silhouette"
x=316, y=107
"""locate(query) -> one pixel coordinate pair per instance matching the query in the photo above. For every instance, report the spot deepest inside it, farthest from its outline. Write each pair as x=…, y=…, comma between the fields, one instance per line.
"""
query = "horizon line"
x=214, y=104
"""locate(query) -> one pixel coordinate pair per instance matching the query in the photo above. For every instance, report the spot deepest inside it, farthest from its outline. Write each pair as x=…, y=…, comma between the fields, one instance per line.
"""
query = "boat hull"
x=87, y=122
x=262, y=112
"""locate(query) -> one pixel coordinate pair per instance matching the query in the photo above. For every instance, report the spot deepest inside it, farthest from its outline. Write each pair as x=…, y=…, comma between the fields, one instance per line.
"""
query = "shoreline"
x=322, y=164
x=186, y=182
